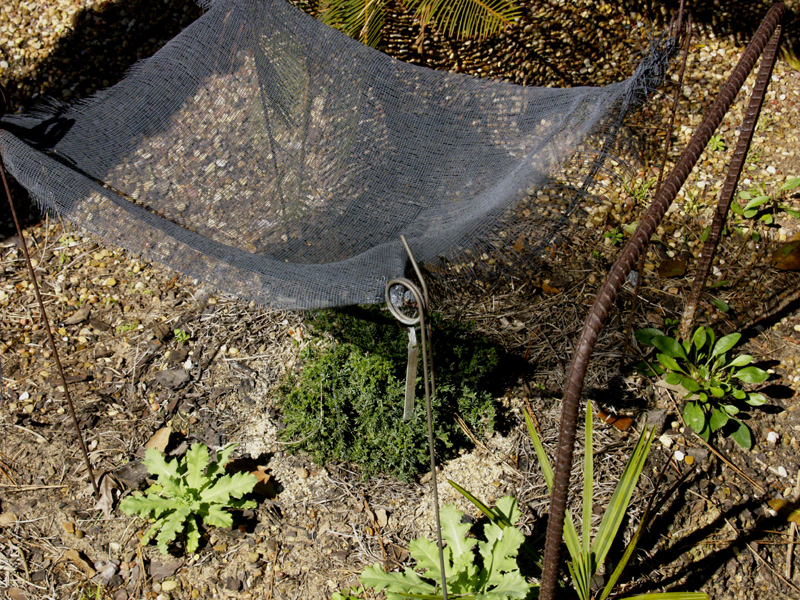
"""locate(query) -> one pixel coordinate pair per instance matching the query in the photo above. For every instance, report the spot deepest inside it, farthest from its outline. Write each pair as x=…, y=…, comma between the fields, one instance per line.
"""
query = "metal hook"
x=421, y=302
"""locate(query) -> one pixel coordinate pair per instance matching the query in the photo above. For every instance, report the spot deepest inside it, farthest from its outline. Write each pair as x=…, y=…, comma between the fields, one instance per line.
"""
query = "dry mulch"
x=318, y=526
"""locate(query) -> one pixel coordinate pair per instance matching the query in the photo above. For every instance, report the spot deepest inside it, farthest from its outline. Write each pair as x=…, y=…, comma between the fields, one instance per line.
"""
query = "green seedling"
x=491, y=573
x=181, y=336
x=709, y=378
x=716, y=143
x=615, y=235
x=186, y=491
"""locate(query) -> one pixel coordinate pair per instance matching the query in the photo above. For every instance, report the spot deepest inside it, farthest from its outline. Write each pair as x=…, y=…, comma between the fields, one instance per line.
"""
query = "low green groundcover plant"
x=186, y=490
x=347, y=402
x=710, y=378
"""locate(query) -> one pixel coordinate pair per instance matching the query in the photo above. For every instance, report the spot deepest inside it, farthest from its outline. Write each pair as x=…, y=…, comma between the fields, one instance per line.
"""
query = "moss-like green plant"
x=188, y=489
x=347, y=402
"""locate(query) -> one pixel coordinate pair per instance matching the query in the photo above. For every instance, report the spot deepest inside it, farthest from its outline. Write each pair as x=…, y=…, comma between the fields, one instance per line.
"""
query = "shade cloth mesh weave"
x=277, y=159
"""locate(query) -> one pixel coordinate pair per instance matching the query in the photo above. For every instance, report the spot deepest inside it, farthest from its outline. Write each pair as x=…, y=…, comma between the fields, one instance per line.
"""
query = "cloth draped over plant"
x=275, y=158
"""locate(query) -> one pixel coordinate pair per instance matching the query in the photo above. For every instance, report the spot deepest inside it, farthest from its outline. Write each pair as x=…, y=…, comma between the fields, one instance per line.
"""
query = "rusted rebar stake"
x=45, y=320
x=615, y=280
x=731, y=181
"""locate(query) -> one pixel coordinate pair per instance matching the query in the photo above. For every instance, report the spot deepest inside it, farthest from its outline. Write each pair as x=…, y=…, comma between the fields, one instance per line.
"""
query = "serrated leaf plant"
x=710, y=378
x=588, y=554
x=491, y=573
x=187, y=490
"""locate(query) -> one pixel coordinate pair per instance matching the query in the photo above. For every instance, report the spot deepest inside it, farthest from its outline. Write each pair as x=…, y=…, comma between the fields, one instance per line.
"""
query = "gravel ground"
x=717, y=533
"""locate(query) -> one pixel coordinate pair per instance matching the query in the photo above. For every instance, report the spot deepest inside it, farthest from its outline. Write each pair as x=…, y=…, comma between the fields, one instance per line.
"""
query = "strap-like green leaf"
x=618, y=505
x=570, y=533
x=670, y=596
x=588, y=483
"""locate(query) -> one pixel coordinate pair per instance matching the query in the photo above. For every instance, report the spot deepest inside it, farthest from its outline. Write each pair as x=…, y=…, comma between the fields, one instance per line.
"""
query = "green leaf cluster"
x=347, y=402
x=186, y=490
x=762, y=207
x=710, y=378
x=490, y=574
x=587, y=554
x=364, y=19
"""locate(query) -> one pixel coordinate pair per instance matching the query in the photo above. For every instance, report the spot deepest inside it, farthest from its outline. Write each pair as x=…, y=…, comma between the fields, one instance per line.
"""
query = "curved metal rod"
x=612, y=285
x=421, y=301
x=731, y=180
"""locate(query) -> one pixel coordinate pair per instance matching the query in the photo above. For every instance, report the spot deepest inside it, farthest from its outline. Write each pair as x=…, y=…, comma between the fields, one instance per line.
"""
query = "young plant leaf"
x=742, y=435
x=669, y=346
x=726, y=343
x=751, y=375
x=694, y=416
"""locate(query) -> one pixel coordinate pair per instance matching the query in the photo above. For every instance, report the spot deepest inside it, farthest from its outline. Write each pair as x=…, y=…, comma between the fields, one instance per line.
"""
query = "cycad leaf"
x=360, y=19
x=588, y=483
x=466, y=18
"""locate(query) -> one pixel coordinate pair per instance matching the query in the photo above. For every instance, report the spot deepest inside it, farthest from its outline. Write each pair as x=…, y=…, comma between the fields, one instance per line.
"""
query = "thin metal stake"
x=421, y=301
x=49, y=330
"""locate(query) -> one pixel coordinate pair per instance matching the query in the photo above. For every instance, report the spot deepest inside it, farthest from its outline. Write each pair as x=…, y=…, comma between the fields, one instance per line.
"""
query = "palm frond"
x=360, y=19
x=465, y=18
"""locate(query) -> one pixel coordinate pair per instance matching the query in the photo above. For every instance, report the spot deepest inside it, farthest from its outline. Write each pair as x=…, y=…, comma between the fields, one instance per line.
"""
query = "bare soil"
x=121, y=322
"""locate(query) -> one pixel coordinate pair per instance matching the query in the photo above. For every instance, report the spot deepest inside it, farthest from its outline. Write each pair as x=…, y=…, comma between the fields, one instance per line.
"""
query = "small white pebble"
x=772, y=437
x=783, y=472
x=679, y=456
x=24, y=396
x=666, y=441
x=771, y=170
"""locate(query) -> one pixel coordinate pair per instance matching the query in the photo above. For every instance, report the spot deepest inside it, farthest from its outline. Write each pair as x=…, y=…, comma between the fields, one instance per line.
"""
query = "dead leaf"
x=549, y=289
x=106, y=502
x=621, y=422
x=75, y=558
x=79, y=316
x=160, y=439
x=7, y=518
x=519, y=245
x=16, y=594
x=671, y=267
x=381, y=517
x=787, y=257
x=786, y=509
x=265, y=485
